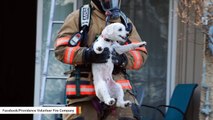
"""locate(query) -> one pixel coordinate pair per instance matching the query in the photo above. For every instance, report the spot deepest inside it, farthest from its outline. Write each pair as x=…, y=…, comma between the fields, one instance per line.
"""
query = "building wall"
x=189, y=62
x=199, y=69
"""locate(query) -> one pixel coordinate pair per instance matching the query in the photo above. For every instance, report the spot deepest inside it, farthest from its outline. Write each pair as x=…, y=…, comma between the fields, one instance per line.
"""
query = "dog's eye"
x=120, y=29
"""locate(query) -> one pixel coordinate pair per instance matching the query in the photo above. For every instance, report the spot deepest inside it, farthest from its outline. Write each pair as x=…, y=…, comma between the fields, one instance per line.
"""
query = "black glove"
x=119, y=60
x=91, y=57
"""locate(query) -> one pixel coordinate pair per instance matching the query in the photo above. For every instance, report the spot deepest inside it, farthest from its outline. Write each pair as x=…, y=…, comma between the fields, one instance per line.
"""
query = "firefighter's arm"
x=136, y=58
x=133, y=59
x=63, y=51
x=74, y=54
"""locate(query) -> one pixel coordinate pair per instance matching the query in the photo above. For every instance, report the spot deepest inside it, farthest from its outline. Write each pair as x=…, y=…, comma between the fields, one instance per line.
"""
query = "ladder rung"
x=58, y=22
x=53, y=105
x=51, y=49
x=56, y=77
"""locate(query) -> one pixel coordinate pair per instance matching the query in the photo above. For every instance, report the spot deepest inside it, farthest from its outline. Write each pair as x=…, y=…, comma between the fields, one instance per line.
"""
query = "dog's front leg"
x=120, y=49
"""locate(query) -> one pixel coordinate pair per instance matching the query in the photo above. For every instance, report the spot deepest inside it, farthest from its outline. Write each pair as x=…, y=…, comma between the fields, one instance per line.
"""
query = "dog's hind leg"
x=117, y=92
x=102, y=92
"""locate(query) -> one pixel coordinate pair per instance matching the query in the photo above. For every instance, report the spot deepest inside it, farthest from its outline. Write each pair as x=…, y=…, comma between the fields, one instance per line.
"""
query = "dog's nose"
x=99, y=49
x=127, y=33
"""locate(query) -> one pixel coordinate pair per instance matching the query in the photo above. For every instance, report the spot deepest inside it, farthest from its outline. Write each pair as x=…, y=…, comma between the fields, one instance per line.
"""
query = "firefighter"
x=73, y=46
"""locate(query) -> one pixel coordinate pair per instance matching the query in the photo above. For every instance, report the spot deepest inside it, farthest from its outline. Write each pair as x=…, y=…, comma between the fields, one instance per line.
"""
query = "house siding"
x=189, y=62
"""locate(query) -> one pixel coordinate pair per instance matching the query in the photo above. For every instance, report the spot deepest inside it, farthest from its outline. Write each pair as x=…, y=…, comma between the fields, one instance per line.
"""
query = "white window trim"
x=172, y=47
x=37, y=78
x=37, y=84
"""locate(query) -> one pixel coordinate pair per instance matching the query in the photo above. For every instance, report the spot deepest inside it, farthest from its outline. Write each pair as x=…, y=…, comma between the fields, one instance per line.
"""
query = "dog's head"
x=115, y=32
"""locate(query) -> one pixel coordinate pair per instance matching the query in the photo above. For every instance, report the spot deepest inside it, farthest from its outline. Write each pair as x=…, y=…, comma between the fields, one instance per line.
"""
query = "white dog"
x=107, y=90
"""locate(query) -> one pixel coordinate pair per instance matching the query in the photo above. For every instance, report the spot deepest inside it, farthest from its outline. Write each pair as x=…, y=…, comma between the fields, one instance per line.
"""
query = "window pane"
x=62, y=9
x=151, y=20
x=55, y=91
x=56, y=68
x=55, y=87
x=55, y=30
x=48, y=117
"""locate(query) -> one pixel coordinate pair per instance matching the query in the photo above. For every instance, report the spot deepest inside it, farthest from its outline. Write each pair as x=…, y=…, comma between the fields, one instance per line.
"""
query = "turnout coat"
x=74, y=55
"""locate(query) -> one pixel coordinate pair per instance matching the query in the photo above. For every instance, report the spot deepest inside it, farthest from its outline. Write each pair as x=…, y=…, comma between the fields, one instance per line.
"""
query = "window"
x=55, y=80
x=151, y=20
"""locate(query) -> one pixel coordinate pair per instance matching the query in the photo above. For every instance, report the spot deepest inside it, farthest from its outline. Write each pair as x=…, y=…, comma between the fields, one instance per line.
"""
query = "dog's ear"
x=108, y=31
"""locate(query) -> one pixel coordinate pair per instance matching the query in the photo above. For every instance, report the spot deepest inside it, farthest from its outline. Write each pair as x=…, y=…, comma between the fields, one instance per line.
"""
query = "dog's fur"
x=107, y=90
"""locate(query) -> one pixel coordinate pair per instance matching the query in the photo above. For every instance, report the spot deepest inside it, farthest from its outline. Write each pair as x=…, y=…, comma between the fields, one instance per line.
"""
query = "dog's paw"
x=127, y=103
x=141, y=44
x=124, y=104
x=98, y=50
x=110, y=101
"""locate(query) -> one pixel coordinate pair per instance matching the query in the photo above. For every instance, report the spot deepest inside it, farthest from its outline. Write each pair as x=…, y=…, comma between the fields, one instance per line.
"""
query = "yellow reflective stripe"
x=81, y=89
x=69, y=54
x=125, y=84
x=84, y=90
x=90, y=90
x=87, y=89
x=137, y=59
x=142, y=49
x=71, y=89
x=62, y=41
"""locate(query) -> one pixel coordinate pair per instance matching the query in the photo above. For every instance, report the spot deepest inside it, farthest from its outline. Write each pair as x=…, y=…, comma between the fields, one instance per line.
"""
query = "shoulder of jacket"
x=75, y=12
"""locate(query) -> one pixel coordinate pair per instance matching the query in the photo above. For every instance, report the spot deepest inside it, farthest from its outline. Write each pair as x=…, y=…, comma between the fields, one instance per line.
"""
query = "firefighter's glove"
x=91, y=57
x=119, y=60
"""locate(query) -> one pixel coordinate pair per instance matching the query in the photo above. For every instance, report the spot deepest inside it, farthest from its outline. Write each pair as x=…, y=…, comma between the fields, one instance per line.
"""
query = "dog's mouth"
x=124, y=38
